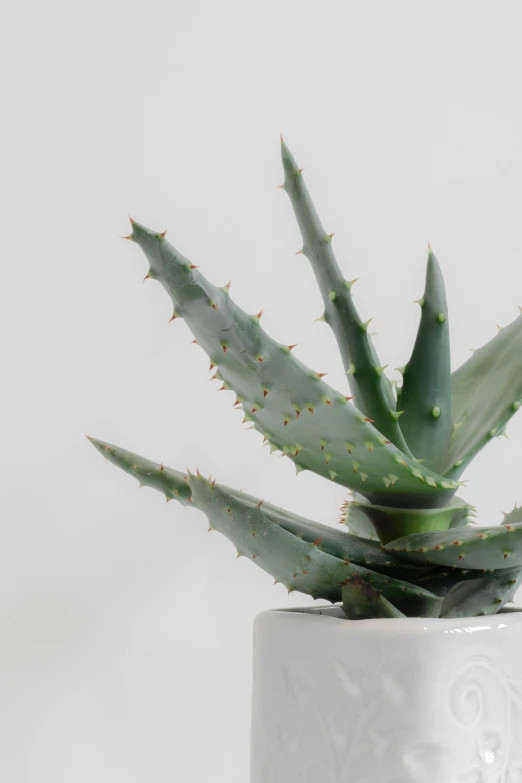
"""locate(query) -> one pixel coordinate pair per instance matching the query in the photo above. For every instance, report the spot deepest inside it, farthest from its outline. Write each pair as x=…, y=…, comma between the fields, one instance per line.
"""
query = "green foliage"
x=338, y=543
x=361, y=601
x=391, y=522
x=486, y=391
x=290, y=404
x=368, y=382
x=483, y=595
x=425, y=395
x=407, y=546
x=477, y=547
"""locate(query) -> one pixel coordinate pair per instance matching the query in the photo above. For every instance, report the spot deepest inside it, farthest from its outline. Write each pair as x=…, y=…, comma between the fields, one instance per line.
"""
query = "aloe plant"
x=409, y=546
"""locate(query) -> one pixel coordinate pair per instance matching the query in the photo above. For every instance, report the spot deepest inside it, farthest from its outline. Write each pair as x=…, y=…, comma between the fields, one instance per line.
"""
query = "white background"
x=126, y=628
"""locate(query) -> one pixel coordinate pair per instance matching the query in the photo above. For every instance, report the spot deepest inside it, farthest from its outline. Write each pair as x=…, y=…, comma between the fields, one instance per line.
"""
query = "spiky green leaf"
x=514, y=516
x=486, y=392
x=361, y=601
x=476, y=548
x=346, y=546
x=295, y=410
x=372, y=389
x=171, y=483
x=295, y=563
x=425, y=395
x=481, y=596
x=356, y=520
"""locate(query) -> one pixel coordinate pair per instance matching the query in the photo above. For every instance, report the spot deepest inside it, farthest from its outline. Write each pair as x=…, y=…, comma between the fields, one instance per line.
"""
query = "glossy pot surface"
x=413, y=700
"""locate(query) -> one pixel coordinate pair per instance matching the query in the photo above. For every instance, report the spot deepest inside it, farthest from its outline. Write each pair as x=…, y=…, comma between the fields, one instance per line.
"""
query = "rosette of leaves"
x=407, y=547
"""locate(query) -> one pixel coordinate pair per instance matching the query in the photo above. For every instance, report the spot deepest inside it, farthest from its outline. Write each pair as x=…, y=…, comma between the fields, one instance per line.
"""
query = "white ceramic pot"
x=370, y=701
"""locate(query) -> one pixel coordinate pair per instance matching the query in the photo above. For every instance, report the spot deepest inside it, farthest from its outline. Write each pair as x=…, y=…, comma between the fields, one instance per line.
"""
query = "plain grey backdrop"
x=125, y=627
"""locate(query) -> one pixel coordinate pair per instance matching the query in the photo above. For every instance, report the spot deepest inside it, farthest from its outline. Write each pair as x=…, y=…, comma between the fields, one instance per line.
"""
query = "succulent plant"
x=408, y=547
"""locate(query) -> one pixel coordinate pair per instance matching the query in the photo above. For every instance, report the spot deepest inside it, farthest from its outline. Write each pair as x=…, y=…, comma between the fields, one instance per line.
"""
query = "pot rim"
x=334, y=614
